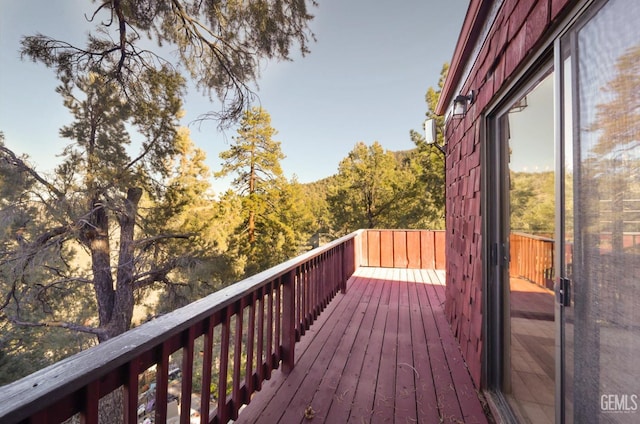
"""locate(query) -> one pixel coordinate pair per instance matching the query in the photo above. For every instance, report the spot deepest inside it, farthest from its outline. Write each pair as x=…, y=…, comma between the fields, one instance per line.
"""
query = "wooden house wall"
x=517, y=30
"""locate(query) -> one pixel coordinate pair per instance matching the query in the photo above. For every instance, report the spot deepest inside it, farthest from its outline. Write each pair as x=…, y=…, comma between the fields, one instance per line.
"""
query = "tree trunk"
x=252, y=227
x=124, y=299
x=252, y=213
x=96, y=235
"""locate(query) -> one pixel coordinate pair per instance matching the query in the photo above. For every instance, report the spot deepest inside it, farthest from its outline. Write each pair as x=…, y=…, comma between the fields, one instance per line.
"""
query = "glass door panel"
x=601, y=226
x=526, y=185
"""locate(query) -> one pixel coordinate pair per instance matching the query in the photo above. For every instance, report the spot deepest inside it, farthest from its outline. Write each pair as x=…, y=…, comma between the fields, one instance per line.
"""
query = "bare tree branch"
x=21, y=165
x=157, y=274
x=143, y=243
x=96, y=331
x=10, y=294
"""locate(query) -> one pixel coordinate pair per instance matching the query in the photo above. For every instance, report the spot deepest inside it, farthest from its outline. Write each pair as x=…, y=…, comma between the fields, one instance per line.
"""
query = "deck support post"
x=288, y=321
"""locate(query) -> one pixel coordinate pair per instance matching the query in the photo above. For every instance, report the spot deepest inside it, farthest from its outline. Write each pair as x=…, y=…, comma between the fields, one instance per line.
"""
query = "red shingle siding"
x=518, y=28
x=463, y=206
x=558, y=6
x=515, y=52
x=536, y=24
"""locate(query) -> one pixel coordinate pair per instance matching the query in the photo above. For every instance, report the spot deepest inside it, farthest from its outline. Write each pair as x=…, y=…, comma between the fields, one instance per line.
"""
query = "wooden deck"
x=383, y=352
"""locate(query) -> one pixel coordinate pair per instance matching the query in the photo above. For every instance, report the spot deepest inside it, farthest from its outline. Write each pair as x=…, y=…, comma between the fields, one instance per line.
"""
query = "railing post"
x=343, y=268
x=288, y=321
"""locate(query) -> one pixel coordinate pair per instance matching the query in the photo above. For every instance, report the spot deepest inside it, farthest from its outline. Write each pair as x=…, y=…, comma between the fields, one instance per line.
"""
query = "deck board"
x=383, y=405
x=382, y=352
x=426, y=398
x=405, y=388
x=362, y=408
x=313, y=352
x=446, y=398
x=343, y=400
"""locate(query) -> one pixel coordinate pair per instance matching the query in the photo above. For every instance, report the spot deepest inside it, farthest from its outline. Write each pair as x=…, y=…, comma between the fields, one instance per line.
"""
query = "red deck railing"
x=225, y=345
x=532, y=258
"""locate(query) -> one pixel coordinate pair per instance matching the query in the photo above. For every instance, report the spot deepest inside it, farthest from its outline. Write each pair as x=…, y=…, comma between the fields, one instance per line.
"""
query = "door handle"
x=563, y=292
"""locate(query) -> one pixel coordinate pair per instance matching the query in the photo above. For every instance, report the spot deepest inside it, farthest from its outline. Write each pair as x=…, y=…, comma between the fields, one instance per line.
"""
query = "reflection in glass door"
x=601, y=216
x=524, y=230
x=531, y=224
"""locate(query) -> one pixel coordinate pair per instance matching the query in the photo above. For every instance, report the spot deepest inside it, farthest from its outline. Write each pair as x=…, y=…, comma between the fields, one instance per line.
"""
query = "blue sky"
x=364, y=80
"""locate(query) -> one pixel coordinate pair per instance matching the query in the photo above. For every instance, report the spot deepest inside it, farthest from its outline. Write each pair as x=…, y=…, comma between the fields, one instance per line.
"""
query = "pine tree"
x=219, y=44
x=104, y=207
x=367, y=188
x=254, y=158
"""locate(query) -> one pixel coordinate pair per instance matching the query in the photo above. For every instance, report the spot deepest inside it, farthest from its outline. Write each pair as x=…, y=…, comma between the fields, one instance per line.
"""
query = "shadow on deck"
x=382, y=352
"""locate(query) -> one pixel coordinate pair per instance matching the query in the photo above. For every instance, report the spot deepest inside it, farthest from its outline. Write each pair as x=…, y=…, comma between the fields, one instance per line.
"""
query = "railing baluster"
x=301, y=297
x=325, y=282
x=288, y=322
x=271, y=343
x=278, y=322
x=236, y=396
x=162, y=383
x=305, y=319
x=260, y=342
x=309, y=305
x=187, y=375
x=335, y=275
x=251, y=327
x=91, y=395
x=329, y=292
x=207, y=359
x=329, y=287
x=224, y=365
x=40, y=417
x=343, y=249
x=318, y=287
x=309, y=289
x=131, y=393
x=302, y=300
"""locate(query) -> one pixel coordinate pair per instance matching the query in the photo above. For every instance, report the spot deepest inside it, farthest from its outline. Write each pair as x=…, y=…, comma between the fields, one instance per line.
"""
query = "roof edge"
x=471, y=30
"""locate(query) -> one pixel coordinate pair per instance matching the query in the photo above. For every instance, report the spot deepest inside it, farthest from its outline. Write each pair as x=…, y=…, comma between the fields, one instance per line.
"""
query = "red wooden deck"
x=383, y=352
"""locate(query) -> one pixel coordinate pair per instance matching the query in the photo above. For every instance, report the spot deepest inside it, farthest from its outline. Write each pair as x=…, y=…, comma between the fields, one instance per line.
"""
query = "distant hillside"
x=401, y=155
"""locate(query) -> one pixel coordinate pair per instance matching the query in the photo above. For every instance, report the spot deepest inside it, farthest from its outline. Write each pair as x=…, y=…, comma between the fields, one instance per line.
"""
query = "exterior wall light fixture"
x=519, y=106
x=461, y=104
x=431, y=134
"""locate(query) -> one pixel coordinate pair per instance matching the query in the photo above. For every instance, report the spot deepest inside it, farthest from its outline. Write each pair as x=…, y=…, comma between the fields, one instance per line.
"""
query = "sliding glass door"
x=562, y=180
x=522, y=195
x=599, y=216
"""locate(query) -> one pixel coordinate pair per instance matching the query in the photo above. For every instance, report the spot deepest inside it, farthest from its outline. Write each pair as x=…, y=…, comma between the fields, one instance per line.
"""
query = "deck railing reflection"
x=531, y=258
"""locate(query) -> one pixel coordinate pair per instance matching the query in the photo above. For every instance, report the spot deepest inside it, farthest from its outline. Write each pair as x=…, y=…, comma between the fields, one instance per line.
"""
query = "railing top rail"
x=19, y=399
x=532, y=236
x=405, y=230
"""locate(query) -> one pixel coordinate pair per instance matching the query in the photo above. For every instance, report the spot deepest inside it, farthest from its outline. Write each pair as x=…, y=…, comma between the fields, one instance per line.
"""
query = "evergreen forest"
x=127, y=227
x=111, y=240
